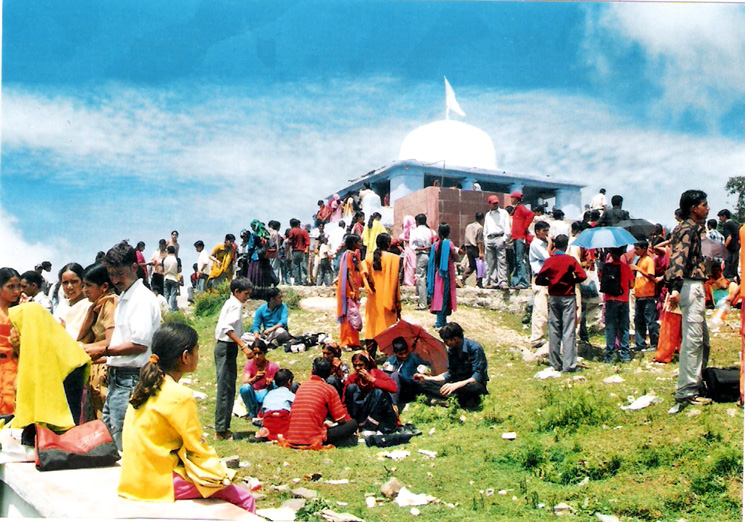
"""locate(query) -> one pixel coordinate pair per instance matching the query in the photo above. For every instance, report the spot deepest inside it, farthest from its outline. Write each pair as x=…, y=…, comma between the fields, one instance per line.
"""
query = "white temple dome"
x=454, y=142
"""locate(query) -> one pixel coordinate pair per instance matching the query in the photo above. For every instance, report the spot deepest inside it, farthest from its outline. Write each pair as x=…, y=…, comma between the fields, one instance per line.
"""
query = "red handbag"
x=86, y=446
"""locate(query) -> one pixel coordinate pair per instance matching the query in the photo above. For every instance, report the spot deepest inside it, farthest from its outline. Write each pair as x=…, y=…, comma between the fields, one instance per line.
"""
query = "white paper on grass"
x=642, y=402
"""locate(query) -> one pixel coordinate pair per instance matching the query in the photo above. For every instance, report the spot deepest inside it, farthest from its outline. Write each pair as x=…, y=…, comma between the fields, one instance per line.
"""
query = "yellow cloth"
x=47, y=356
x=370, y=235
x=162, y=436
x=225, y=266
x=384, y=302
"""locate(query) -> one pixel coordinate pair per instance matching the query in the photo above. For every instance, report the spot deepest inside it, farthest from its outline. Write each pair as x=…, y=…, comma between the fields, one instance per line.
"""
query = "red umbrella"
x=428, y=347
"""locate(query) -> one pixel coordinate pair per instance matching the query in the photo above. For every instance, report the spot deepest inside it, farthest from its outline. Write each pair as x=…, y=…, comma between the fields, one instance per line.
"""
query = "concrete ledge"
x=91, y=493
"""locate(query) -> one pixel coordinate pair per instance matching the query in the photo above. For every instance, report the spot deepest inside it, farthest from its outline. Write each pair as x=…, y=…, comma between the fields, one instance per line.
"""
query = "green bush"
x=568, y=409
x=291, y=298
x=178, y=317
x=531, y=454
x=210, y=302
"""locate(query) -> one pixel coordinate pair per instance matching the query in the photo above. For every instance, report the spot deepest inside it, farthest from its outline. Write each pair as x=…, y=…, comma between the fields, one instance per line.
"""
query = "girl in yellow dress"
x=164, y=457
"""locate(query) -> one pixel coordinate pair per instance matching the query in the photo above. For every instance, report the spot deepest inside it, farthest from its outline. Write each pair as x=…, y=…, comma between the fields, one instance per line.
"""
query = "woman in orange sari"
x=10, y=293
x=384, y=299
x=351, y=277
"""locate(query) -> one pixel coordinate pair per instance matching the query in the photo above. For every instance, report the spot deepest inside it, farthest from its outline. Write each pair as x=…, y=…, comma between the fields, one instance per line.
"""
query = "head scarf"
x=409, y=224
x=258, y=228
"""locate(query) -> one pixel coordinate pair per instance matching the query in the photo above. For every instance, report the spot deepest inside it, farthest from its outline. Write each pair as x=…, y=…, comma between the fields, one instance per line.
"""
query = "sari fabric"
x=351, y=278
x=383, y=307
x=224, y=268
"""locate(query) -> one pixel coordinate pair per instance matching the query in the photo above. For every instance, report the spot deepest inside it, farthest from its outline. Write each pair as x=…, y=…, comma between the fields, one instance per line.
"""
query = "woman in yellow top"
x=222, y=257
x=371, y=233
x=383, y=307
x=95, y=334
x=164, y=456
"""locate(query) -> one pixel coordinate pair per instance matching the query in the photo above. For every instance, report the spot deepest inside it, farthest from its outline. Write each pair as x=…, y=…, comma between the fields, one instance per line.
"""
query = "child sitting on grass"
x=164, y=457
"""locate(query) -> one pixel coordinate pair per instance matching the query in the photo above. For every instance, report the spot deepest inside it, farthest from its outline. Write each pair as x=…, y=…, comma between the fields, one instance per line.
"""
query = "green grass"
x=642, y=466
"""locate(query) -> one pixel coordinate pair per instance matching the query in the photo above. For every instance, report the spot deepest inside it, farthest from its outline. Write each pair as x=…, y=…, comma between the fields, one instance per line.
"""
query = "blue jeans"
x=299, y=267
x=170, y=293
x=121, y=382
x=617, y=326
x=521, y=276
x=253, y=399
x=645, y=318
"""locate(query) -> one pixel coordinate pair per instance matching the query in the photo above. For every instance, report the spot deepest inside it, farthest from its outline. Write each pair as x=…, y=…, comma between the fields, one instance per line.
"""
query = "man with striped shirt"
x=315, y=400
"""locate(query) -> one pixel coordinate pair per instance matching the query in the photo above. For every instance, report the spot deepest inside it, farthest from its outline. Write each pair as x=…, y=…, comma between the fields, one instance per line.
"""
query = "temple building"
x=452, y=154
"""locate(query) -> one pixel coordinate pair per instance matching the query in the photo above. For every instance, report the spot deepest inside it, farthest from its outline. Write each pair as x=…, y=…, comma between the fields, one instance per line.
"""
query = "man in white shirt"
x=496, y=232
x=204, y=265
x=336, y=241
x=537, y=256
x=421, y=241
x=31, y=285
x=558, y=226
x=599, y=202
x=170, y=276
x=228, y=333
x=136, y=319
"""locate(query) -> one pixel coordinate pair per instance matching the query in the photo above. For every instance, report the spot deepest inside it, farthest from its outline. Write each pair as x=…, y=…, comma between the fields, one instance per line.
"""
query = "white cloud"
x=18, y=252
x=218, y=159
x=694, y=53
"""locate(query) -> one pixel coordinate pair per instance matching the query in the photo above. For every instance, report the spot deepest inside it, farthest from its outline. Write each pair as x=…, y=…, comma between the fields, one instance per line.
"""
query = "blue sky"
x=130, y=119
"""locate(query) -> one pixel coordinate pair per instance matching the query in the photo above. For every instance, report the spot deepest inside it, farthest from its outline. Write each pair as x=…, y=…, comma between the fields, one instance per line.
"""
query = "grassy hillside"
x=574, y=444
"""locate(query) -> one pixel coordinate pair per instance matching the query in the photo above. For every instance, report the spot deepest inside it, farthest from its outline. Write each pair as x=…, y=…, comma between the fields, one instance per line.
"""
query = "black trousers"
x=469, y=396
x=227, y=372
x=343, y=434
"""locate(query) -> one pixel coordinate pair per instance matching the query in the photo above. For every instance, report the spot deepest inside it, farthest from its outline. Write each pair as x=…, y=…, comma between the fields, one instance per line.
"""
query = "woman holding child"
x=164, y=456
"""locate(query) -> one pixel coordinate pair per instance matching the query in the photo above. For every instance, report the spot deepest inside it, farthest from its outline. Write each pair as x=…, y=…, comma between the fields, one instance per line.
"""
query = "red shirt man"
x=314, y=401
x=522, y=217
x=299, y=239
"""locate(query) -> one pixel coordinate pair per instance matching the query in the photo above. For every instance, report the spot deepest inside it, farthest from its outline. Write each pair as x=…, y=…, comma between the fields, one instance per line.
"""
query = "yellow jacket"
x=47, y=356
x=164, y=436
x=370, y=236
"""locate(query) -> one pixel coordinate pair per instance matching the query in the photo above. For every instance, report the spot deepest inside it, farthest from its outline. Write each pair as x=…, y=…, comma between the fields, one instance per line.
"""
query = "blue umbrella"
x=604, y=237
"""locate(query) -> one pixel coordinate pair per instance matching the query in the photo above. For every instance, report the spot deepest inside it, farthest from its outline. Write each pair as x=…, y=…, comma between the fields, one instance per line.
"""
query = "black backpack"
x=722, y=384
x=610, y=280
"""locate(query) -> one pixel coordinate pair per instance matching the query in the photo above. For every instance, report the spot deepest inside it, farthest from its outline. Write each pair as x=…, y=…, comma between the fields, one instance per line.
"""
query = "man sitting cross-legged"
x=466, y=377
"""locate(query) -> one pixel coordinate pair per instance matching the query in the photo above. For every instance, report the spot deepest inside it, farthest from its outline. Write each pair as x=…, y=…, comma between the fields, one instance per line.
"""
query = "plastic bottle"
x=722, y=309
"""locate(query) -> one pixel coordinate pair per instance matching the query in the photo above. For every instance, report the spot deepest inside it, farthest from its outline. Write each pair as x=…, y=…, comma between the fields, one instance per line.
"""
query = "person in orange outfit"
x=352, y=276
x=384, y=299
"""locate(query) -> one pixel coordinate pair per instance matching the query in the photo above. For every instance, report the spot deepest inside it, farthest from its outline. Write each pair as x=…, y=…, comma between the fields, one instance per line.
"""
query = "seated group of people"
x=336, y=403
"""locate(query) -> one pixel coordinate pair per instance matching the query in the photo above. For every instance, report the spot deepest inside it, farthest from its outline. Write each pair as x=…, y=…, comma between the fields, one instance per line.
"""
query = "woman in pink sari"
x=409, y=253
x=441, y=276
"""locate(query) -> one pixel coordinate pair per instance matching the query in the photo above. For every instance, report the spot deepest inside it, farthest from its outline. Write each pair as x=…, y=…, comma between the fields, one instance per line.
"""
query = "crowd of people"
x=115, y=361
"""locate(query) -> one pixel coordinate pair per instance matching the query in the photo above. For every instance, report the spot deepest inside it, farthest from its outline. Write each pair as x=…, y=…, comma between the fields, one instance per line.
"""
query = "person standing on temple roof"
x=599, y=202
